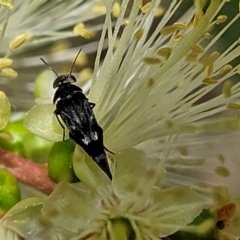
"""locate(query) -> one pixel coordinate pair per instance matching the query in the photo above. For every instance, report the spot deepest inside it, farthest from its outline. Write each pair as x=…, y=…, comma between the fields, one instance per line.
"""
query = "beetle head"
x=64, y=79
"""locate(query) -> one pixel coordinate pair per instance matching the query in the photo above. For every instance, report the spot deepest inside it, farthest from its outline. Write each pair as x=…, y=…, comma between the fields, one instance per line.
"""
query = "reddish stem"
x=26, y=171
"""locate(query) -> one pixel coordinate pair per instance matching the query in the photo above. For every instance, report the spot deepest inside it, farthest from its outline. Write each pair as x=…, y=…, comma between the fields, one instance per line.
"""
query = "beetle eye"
x=63, y=79
x=71, y=79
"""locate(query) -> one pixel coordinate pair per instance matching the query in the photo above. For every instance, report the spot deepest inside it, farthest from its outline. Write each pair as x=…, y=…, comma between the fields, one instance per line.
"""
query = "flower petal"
x=174, y=208
x=88, y=171
x=70, y=208
x=24, y=217
x=41, y=121
x=132, y=181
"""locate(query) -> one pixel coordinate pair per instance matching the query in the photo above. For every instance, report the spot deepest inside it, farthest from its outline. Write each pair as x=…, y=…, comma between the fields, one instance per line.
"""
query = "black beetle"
x=74, y=109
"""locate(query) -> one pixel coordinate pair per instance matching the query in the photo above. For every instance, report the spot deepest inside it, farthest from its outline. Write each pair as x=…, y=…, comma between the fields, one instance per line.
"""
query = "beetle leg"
x=109, y=150
x=61, y=126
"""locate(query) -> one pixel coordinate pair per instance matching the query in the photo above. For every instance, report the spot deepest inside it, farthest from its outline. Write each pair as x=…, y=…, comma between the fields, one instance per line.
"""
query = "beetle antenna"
x=74, y=61
x=49, y=66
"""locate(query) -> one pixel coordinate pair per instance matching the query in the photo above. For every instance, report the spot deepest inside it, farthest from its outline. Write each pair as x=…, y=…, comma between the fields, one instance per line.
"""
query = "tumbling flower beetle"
x=74, y=109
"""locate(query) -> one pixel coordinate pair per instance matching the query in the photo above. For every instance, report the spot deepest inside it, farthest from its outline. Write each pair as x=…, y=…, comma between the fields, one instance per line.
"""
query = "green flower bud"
x=9, y=191
x=60, y=165
x=16, y=138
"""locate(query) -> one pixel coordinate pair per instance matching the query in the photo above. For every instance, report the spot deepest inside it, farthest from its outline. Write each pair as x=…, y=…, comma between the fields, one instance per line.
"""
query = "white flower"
x=149, y=84
x=99, y=207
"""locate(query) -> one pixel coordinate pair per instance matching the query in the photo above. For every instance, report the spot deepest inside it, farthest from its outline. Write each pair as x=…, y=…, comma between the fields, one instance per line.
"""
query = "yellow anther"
x=150, y=82
x=182, y=150
x=80, y=29
x=116, y=9
x=233, y=105
x=81, y=59
x=225, y=69
x=208, y=36
x=60, y=46
x=168, y=30
x=145, y=7
x=99, y=9
x=5, y=62
x=221, y=19
x=85, y=74
x=169, y=124
x=164, y=52
x=178, y=38
x=238, y=69
x=180, y=26
x=222, y=171
x=19, y=40
x=210, y=59
x=197, y=17
x=197, y=48
x=192, y=56
x=159, y=12
x=151, y=61
x=9, y=73
x=209, y=81
x=7, y=4
x=227, y=89
x=208, y=70
x=138, y=34
x=200, y=3
x=172, y=28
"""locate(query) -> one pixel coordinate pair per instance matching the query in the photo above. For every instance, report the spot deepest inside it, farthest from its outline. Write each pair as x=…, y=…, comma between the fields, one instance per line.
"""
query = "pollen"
x=164, y=52
x=81, y=59
x=150, y=82
x=182, y=150
x=80, y=30
x=227, y=89
x=208, y=36
x=225, y=69
x=197, y=48
x=169, y=124
x=159, y=12
x=138, y=34
x=9, y=73
x=5, y=62
x=85, y=74
x=172, y=28
x=7, y=4
x=151, y=61
x=221, y=19
x=19, y=40
x=209, y=80
x=197, y=17
x=233, y=105
x=208, y=70
x=99, y=9
x=178, y=38
x=210, y=59
x=222, y=171
x=192, y=56
x=116, y=9
x=145, y=7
